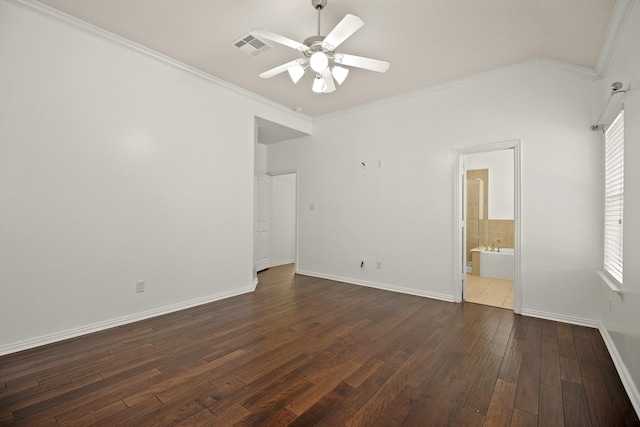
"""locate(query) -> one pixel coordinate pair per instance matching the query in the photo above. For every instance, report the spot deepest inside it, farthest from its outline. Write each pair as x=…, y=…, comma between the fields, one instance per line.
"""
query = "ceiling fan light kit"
x=319, y=54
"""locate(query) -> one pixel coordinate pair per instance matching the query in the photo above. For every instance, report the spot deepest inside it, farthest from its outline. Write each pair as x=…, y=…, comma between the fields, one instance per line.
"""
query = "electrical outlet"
x=140, y=286
x=379, y=265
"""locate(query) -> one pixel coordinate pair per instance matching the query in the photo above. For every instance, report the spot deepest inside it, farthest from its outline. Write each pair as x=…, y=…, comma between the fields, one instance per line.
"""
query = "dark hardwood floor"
x=302, y=351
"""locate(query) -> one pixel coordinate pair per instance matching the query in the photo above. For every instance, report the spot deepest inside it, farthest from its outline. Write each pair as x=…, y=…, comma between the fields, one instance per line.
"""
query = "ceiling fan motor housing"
x=314, y=43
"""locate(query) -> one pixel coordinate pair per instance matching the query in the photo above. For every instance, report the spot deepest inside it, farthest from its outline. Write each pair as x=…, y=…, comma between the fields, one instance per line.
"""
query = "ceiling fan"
x=320, y=55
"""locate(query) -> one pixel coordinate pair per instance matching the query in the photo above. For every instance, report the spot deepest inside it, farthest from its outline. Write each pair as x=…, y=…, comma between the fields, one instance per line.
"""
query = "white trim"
x=283, y=172
x=612, y=284
x=376, y=285
x=584, y=72
x=107, y=324
x=616, y=24
x=90, y=29
x=623, y=373
x=279, y=263
x=580, y=321
x=578, y=70
x=457, y=255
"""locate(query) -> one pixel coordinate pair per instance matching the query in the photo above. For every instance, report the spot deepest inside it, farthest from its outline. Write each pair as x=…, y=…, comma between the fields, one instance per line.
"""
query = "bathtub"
x=497, y=264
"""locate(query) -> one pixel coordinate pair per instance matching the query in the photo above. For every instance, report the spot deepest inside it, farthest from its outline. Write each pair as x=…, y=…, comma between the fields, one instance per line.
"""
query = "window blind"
x=614, y=198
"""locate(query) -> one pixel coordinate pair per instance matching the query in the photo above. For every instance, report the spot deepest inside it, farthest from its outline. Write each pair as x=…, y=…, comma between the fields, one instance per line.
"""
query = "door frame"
x=257, y=207
x=295, y=172
x=459, y=220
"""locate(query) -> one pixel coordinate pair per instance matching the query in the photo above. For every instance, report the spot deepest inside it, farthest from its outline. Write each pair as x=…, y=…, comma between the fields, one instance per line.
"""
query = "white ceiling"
x=427, y=42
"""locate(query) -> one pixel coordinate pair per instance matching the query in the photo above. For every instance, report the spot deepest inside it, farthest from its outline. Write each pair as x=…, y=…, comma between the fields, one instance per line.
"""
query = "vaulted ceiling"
x=427, y=42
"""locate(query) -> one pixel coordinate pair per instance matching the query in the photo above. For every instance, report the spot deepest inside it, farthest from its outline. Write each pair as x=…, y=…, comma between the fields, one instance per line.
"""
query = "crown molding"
x=93, y=30
x=576, y=70
x=621, y=12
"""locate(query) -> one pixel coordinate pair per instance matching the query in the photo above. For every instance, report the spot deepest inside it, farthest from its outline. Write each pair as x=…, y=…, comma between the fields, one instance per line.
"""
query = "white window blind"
x=614, y=198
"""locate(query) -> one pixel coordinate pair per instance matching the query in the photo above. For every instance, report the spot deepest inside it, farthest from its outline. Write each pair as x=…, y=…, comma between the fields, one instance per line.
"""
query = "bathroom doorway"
x=488, y=211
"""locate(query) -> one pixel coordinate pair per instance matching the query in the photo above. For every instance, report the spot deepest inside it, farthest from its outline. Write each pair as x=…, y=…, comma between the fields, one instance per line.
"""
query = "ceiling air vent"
x=251, y=45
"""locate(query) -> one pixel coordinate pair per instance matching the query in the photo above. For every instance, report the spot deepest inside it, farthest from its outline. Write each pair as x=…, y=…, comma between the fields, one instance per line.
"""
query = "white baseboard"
x=579, y=321
x=385, y=287
x=625, y=377
x=279, y=263
x=100, y=326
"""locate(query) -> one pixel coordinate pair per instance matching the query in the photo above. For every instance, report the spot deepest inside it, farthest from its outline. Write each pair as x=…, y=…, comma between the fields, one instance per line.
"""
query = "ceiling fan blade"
x=329, y=85
x=280, y=69
x=345, y=28
x=362, y=62
x=259, y=32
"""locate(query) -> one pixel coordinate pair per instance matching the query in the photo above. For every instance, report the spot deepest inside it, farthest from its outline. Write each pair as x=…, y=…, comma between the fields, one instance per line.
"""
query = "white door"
x=263, y=222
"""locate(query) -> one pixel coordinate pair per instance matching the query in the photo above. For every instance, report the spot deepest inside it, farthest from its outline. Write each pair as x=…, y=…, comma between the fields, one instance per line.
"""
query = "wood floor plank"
x=95, y=416
x=132, y=416
x=501, y=406
x=551, y=411
x=378, y=403
x=549, y=331
x=94, y=399
x=563, y=331
x=600, y=407
x=200, y=418
x=484, y=384
x=570, y=370
x=398, y=407
x=521, y=418
x=528, y=390
x=438, y=405
x=307, y=351
x=334, y=376
x=576, y=409
x=550, y=364
x=469, y=418
x=619, y=398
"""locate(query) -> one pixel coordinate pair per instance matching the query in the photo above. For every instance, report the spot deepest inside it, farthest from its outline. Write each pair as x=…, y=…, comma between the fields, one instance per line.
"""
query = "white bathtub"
x=497, y=264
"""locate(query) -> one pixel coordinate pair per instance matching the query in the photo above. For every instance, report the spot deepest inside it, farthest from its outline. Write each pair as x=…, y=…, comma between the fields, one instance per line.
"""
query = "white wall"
x=622, y=318
x=115, y=167
x=501, y=180
x=283, y=219
x=402, y=213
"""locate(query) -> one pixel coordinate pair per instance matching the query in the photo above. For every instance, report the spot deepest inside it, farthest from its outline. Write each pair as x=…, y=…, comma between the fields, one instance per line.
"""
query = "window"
x=614, y=198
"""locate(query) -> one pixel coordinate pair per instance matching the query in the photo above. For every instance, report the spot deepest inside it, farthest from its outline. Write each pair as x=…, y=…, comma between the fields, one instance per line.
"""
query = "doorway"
x=266, y=210
x=276, y=223
x=488, y=238
x=283, y=245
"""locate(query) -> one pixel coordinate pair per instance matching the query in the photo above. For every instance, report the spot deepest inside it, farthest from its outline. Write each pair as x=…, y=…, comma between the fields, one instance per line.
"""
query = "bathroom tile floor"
x=490, y=291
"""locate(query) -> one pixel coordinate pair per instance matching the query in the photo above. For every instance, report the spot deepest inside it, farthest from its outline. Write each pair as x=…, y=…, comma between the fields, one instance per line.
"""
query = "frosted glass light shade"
x=319, y=62
x=318, y=84
x=296, y=72
x=339, y=73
